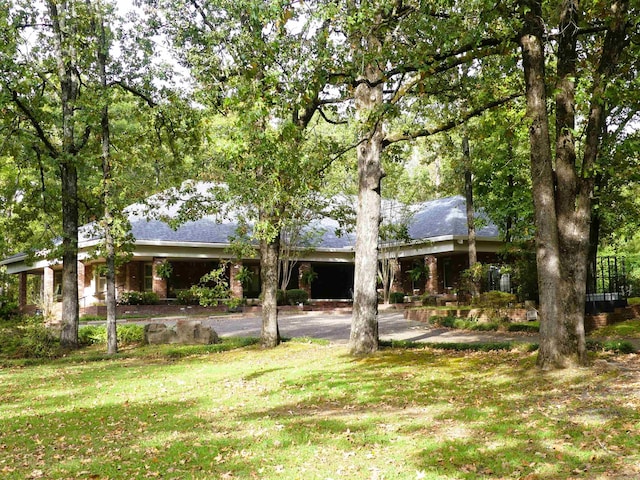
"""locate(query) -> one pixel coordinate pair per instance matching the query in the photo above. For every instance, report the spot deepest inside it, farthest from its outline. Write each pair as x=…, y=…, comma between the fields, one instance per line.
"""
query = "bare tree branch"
x=425, y=132
x=40, y=133
x=136, y=92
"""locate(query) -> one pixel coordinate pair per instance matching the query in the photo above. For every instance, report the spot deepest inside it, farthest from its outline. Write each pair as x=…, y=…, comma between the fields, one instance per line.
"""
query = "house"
x=437, y=232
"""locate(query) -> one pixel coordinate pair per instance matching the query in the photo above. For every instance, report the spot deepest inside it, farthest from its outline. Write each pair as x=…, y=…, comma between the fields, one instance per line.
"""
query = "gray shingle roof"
x=435, y=218
x=447, y=216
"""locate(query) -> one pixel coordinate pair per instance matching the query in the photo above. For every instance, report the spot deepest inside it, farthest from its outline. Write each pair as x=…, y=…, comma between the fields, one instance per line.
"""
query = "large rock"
x=193, y=332
x=188, y=332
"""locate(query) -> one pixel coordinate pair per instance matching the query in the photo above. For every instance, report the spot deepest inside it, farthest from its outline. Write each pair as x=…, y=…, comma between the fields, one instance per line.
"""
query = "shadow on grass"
x=465, y=415
x=130, y=440
x=306, y=411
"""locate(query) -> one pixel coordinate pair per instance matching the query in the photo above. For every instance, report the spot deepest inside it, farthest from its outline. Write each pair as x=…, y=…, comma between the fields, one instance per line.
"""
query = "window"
x=100, y=280
x=148, y=277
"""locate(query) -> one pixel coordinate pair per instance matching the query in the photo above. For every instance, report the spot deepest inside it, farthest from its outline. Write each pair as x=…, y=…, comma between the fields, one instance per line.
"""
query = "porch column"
x=159, y=283
x=303, y=277
x=81, y=284
x=47, y=286
x=237, y=291
x=22, y=291
x=432, y=282
x=396, y=268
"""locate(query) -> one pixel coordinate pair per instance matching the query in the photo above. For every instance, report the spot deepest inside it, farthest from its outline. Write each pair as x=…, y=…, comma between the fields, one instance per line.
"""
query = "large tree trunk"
x=471, y=224
x=68, y=174
x=364, y=324
x=563, y=211
x=269, y=250
x=552, y=334
x=70, y=297
x=572, y=205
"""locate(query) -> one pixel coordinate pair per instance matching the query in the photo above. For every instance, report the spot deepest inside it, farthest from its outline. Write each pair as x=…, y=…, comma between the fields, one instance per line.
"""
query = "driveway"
x=335, y=327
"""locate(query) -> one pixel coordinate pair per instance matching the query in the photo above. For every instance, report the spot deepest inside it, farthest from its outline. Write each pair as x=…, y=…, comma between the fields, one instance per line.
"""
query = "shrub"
x=440, y=321
x=92, y=334
x=532, y=327
x=186, y=297
x=396, y=297
x=496, y=299
x=296, y=296
x=97, y=334
x=428, y=300
x=138, y=298
x=7, y=309
x=28, y=337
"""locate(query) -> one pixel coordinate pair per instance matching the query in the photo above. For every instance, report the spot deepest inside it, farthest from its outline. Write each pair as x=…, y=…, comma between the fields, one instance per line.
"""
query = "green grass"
x=310, y=411
x=626, y=329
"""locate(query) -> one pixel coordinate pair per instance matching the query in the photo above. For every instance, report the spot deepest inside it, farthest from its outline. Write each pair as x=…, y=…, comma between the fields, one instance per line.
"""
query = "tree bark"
x=110, y=248
x=552, y=335
x=68, y=174
x=563, y=203
x=364, y=324
x=269, y=250
x=471, y=224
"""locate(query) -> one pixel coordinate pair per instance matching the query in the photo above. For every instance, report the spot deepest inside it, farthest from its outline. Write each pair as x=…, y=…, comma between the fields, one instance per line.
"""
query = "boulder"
x=159, y=334
x=193, y=332
x=187, y=332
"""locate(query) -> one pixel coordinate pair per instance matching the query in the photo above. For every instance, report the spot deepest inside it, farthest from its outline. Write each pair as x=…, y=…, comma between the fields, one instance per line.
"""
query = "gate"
x=607, y=286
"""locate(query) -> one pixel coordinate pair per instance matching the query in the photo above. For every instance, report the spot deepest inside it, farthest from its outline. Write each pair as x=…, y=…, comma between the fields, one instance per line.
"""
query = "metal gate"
x=607, y=286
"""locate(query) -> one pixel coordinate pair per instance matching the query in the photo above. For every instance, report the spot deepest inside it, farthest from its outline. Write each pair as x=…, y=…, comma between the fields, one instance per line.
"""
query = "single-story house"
x=438, y=240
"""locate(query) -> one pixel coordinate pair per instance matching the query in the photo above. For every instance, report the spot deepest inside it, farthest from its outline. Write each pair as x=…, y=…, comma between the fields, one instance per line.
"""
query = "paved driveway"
x=336, y=327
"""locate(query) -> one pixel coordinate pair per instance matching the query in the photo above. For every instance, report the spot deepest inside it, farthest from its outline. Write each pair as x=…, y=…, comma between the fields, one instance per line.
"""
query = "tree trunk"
x=552, y=334
x=471, y=224
x=70, y=297
x=110, y=249
x=269, y=250
x=563, y=211
x=68, y=175
x=364, y=324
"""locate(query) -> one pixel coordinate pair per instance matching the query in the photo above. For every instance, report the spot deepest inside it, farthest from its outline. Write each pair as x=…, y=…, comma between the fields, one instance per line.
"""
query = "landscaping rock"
x=193, y=332
x=187, y=332
x=159, y=334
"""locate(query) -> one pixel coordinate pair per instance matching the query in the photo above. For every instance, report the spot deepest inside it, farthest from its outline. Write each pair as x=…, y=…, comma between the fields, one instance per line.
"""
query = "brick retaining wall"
x=591, y=322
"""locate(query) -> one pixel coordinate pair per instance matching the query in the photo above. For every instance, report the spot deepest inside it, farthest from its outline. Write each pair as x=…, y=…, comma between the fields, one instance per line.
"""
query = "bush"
x=396, y=297
x=138, y=298
x=439, y=321
x=186, y=297
x=296, y=296
x=281, y=297
x=92, y=334
x=7, y=309
x=28, y=337
x=496, y=299
x=532, y=327
x=428, y=300
x=97, y=334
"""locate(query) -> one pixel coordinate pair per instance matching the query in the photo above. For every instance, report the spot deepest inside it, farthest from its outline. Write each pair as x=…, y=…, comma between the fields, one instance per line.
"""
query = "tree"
x=42, y=80
x=563, y=184
x=59, y=94
x=471, y=225
x=405, y=57
x=255, y=63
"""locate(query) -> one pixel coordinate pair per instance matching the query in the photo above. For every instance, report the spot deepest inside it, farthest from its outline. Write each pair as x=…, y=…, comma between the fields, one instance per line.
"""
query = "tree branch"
x=36, y=125
x=136, y=92
x=328, y=120
x=425, y=132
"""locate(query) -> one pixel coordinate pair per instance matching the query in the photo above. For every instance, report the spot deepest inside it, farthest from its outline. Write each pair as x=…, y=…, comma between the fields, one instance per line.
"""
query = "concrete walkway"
x=335, y=327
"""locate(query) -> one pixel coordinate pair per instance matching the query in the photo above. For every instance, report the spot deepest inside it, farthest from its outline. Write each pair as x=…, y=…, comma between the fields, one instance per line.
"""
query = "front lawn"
x=310, y=411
